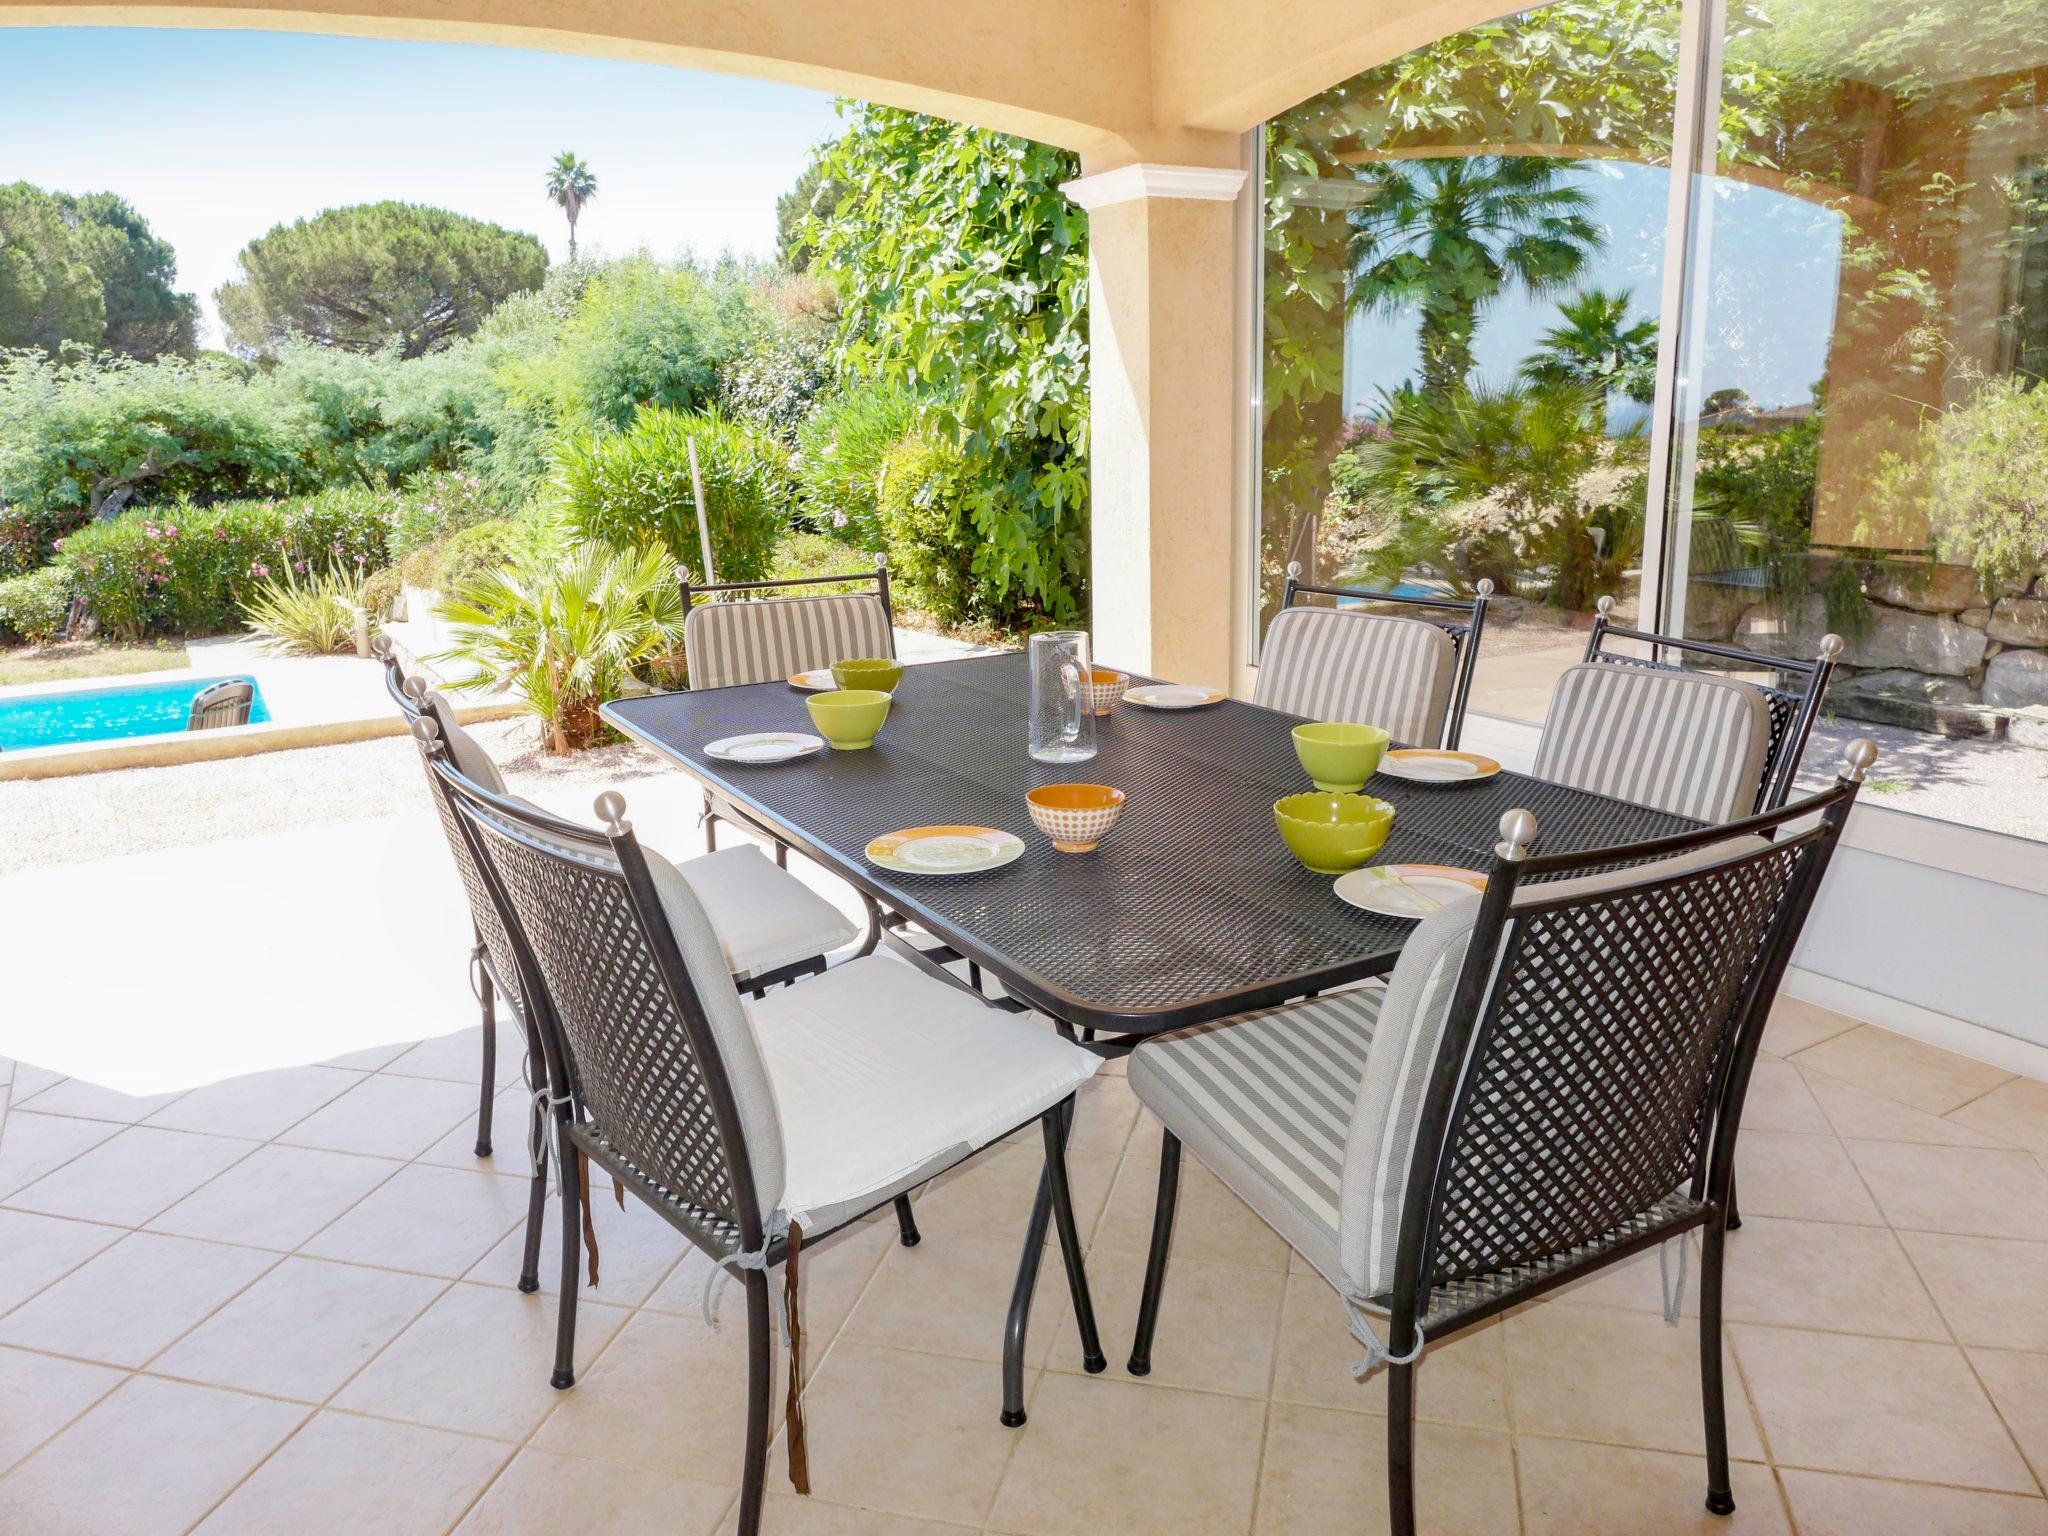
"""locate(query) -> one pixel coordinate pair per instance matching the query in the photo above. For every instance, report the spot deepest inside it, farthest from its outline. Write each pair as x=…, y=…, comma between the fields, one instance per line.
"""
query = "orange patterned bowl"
x=1075, y=816
x=1105, y=688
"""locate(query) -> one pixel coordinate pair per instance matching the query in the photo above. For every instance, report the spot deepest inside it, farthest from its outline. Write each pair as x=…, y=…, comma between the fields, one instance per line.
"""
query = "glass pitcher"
x=1062, y=725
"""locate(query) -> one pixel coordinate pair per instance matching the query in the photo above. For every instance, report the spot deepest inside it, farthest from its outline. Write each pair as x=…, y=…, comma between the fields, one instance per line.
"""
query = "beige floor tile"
x=1102, y=1455
x=2014, y=1112
x=30, y=1080
x=301, y=1331
x=1571, y=1489
x=1637, y=1283
x=459, y=1057
x=1461, y=1380
x=1796, y=1024
x=1969, y=1190
x=1854, y=1506
x=128, y=1303
x=89, y=1101
x=1104, y=1116
x=1876, y=1406
x=43, y=1394
x=2018, y=1384
x=1868, y=1116
x=1326, y=1472
x=904, y=1433
x=340, y=1476
x=260, y=1105
x=668, y=1394
x=950, y=1296
x=1623, y=1378
x=1218, y=1323
x=1779, y=1100
x=478, y=1360
x=1816, y=1274
x=132, y=1176
x=836, y=1271
x=784, y=1514
x=1806, y=1178
x=1922, y=1076
x=993, y=1192
x=33, y=1145
x=636, y=1250
x=1992, y=1291
x=436, y=1221
x=1210, y=1223
x=276, y=1197
x=542, y=1494
x=510, y=1117
x=34, y=1250
x=148, y=1460
x=385, y=1117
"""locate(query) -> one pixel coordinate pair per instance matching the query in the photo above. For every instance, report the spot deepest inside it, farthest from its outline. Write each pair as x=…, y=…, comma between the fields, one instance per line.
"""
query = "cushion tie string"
x=1674, y=1294
x=789, y=1322
x=476, y=971
x=1376, y=1352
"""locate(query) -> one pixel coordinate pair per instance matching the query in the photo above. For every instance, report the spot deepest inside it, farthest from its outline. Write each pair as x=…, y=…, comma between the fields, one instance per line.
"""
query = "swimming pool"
x=105, y=714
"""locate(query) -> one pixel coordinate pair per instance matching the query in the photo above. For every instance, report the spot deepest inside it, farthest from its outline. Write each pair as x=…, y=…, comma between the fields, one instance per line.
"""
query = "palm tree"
x=1449, y=236
x=571, y=184
x=1597, y=345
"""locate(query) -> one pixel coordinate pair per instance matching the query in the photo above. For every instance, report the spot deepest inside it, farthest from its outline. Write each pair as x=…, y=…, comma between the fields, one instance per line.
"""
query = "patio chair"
x=752, y=1129
x=729, y=644
x=1551, y=1082
x=1793, y=705
x=1411, y=675
x=222, y=704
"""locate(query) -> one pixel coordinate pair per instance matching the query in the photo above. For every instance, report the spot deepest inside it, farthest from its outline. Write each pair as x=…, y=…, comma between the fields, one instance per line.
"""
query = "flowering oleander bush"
x=32, y=607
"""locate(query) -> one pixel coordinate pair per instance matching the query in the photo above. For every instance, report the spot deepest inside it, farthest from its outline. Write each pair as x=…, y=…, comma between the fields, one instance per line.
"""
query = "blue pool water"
x=102, y=714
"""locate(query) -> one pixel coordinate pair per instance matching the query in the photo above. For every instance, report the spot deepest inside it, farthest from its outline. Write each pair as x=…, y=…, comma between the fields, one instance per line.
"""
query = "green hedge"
x=928, y=527
x=32, y=607
x=186, y=570
x=840, y=449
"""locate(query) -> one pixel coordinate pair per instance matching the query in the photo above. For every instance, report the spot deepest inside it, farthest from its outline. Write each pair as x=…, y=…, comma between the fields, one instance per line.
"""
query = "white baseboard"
x=1990, y=1046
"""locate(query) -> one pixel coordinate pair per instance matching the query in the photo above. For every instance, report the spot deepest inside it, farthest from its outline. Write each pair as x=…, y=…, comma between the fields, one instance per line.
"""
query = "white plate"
x=946, y=850
x=763, y=747
x=820, y=680
x=1407, y=890
x=1422, y=765
x=1172, y=696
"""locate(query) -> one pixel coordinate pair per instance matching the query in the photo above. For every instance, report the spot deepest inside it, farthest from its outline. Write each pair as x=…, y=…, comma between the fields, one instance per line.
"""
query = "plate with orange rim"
x=1172, y=696
x=818, y=680
x=946, y=850
x=1407, y=890
x=1426, y=765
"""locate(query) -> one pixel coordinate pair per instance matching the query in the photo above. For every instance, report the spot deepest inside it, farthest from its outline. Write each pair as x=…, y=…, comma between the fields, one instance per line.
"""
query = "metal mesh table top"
x=1192, y=908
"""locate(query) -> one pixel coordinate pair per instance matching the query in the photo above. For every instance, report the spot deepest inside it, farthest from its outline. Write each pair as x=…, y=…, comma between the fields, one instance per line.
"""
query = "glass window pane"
x=1463, y=270
x=1865, y=450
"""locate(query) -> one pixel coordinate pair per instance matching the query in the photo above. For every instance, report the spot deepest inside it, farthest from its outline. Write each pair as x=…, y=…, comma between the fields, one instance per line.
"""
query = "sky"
x=219, y=136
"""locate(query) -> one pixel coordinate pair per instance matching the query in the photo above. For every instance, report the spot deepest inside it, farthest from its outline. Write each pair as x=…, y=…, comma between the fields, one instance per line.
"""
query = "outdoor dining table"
x=1192, y=909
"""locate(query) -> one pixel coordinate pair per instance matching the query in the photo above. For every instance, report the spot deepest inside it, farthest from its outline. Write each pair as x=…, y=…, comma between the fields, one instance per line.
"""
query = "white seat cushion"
x=884, y=1076
x=764, y=917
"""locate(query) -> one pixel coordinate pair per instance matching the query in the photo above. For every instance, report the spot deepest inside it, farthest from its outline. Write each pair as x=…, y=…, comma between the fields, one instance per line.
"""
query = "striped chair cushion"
x=1686, y=742
x=1331, y=664
x=1266, y=1102
x=766, y=640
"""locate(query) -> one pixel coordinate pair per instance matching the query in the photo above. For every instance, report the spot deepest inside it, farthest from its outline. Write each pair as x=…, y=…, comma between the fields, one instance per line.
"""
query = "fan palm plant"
x=571, y=184
x=1597, y=345
x=568, y=636
x=1449, y=236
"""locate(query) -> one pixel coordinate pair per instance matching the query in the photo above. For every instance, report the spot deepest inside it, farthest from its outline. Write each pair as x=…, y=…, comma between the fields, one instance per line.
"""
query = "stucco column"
x=1162, y=423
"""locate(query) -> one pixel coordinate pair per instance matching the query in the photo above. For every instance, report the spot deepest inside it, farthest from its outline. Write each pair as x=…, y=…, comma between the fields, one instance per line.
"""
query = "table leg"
x=1020, y=1302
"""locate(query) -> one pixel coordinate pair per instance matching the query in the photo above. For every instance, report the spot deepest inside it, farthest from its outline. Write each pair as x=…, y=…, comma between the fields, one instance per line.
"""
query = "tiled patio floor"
x=285, y=1304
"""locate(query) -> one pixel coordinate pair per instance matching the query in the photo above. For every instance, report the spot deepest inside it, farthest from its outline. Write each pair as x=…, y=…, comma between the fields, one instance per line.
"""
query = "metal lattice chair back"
x=1794, y=702
x=652, y=1045
x=222, y=704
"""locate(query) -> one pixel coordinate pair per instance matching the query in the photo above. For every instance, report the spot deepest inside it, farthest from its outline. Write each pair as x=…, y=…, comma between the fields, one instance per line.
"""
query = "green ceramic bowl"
x=1333, y=834
x=849, y=717
x=877, y=673
x=1340, y=757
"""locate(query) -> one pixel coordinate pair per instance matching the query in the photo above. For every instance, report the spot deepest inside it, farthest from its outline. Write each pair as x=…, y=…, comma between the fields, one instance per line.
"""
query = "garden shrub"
x=493, y=546
x=1987, y=480
x=632, y=489
x=645, y=334
x=380, y=592
x=32, y=607
x=840, y=448
x=436, y=506
x=29, y=538
x=309, y=616
x=773, y=381
x=928, y=526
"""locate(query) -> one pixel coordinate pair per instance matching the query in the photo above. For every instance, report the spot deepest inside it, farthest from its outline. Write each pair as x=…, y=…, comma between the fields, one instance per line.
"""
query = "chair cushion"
x=1370, y=669
x=763, y=641
x=885, y=1076
x=1266, y=1101
x=1687, y=742
x=471, y=760
x=765, y=917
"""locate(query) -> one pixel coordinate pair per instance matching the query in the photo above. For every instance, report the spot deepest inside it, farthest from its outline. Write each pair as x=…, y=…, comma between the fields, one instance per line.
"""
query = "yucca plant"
x=569, y=636
x=313, y=617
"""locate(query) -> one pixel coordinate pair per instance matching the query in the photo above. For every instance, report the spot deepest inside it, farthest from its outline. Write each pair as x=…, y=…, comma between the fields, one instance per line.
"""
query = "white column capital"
x=1128, y=183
